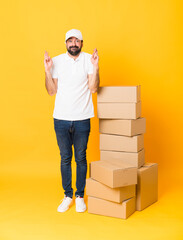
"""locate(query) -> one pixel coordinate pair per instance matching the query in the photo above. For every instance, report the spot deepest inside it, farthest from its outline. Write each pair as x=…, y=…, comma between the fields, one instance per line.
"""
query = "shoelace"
x=62, y=199
x=82, y=201
x=65, y=198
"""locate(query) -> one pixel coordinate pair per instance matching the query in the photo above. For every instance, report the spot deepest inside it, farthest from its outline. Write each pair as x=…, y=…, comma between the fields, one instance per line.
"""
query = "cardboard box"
x=113, y=175
x=147, y=187
x=106, y=208
x=119, y=94
x=130, y=127
x=119, y=110
x=130, y=158
x=99, y=190
x=121, y=143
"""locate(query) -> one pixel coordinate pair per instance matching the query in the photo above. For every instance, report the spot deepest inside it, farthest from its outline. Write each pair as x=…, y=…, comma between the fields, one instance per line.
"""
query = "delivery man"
x=73, y=76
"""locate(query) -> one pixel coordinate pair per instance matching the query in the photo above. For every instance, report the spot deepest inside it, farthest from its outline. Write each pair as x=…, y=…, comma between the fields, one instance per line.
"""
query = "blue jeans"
x=75, y=133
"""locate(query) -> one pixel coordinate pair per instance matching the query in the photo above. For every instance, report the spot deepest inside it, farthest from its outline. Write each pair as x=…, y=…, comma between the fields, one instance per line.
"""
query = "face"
x=74, y=46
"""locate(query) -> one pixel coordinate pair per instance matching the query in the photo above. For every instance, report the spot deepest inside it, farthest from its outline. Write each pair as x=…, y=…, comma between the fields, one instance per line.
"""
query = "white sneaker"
x=80, y=204
x=64, y=206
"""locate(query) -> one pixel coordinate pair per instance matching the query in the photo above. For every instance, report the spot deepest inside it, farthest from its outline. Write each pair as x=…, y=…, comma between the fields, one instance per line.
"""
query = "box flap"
x=147, y=165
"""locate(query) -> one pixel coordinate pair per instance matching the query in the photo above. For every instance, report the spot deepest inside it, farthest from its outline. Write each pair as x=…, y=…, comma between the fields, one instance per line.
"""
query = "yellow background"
x=139, y=42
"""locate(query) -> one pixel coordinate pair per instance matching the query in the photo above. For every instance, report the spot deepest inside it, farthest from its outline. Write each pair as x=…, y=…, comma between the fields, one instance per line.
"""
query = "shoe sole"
x=65, y=209
x=62, y=211
x=83, y=210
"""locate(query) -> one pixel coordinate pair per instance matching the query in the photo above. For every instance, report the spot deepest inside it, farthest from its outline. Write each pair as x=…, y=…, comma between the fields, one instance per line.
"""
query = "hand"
x=95, y=58
x=48, y=62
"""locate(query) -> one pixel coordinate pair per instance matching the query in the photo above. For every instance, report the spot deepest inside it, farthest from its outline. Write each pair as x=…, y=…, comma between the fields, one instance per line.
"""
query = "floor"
x=29, y=200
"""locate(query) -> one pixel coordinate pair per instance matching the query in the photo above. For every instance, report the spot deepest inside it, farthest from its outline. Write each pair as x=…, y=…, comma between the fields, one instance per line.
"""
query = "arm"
x=94, y=79
x=50, y=83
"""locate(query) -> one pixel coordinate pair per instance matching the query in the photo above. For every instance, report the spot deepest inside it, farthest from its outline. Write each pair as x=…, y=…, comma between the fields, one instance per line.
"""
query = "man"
x=73, y=76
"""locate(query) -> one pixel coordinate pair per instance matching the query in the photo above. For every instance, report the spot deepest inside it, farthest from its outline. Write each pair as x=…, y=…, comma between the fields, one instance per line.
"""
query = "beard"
x=74, y=51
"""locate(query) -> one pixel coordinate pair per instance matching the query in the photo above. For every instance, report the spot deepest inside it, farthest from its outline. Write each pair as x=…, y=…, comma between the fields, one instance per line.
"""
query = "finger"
x=95, y=55
x=47, y=57
x=92, y=55
x=46, y=54
x=94, y=50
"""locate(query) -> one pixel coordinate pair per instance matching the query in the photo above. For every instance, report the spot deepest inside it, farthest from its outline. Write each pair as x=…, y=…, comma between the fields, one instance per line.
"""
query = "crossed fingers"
x=95, y=54
x=46, y=56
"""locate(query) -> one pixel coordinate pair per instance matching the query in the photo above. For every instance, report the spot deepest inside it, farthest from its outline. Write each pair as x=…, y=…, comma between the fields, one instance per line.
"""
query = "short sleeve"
x=54, y=69
x=90, y=65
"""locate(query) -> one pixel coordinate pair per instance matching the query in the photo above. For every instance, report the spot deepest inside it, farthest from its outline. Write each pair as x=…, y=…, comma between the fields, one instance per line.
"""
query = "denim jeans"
x=74, y=133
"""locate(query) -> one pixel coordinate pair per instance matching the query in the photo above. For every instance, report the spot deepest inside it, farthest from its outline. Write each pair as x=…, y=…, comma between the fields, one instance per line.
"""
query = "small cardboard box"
x=99, y=190
x=113, y=175
x=147, y=186
x=119, y=110
x=119, y=94
x=106, y=208
x=121, y=143
x=130, y=127
x=130, y=158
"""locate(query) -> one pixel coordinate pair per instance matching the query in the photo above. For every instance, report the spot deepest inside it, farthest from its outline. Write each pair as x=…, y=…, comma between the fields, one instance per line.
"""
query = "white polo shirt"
x=73, y=98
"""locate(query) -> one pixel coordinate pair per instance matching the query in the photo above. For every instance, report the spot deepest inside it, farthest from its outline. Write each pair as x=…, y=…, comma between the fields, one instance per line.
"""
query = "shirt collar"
x=71, y=59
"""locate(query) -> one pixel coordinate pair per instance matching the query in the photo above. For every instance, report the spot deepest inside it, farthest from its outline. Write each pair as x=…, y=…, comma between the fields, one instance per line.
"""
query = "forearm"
x=50, y=85
x=94, y=85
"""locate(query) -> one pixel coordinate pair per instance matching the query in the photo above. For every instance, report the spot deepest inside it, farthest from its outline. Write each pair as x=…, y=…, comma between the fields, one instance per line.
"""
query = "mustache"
x=74, y=47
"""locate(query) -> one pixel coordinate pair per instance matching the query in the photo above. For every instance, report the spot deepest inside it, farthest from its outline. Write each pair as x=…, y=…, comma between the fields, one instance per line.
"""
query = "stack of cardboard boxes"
x=121, y=182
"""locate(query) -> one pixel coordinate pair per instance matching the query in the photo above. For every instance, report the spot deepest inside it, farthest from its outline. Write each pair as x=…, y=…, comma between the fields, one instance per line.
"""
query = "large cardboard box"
x=119, y=94
x=121, y=143
x=119, y=110
x=99, y=190
x=113, y=175
x=124, y=127
x=136, y=159
x=106, y=208
x=147, y=186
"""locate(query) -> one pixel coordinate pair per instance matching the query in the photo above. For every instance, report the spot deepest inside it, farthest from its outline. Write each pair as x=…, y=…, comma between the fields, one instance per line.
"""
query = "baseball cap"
x=74, y=33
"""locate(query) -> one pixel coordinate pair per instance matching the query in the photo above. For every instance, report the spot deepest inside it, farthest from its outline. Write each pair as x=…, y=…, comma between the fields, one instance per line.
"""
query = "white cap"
x=73, y=33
